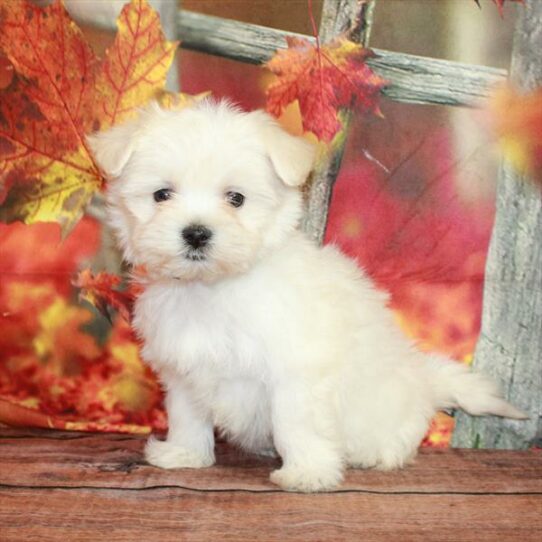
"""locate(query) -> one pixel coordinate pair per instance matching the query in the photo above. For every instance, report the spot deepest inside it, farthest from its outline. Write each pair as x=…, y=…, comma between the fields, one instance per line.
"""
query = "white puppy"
x=253, y=329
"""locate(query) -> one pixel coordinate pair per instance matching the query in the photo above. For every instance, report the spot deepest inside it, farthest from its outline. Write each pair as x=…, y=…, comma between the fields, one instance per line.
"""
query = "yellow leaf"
x=135, y=66
x=59, y=194
x=178, y=100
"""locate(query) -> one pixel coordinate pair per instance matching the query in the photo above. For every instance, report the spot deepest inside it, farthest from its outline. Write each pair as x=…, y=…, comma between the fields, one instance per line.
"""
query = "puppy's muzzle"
x=196, y=235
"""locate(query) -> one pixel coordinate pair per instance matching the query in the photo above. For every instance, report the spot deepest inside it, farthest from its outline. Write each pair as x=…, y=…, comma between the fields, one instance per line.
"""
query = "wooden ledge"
x=77, y=486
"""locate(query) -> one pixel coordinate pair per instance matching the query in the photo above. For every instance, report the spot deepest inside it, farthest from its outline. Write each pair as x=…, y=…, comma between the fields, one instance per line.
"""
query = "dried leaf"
x=61, y=339
x=60, y=94
x=324, y=80
x=103, y=292
x=45, y=177
x=135, y=66
x=43, y=120
x=178, y=100
x=18, y=415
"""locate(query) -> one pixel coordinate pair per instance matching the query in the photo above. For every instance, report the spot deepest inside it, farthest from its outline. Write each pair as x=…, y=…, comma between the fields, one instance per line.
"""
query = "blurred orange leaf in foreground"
x=518, y=122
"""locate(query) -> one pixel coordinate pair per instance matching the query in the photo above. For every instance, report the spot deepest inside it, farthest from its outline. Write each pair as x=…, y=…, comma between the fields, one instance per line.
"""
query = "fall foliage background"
x=413, y=203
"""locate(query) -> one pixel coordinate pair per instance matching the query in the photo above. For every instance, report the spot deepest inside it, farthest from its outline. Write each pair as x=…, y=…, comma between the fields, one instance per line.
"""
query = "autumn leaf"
x=103, y=292
x=61, y=339
x=18, y=415
x=135, y=66
x=178, y=100
x=132, y=387
x=35, y=269
x=53, y=371
x=440, y=431
x=324, y=80
x=60, y=93
x=42, y=115
x=518, y=123
x=115, y=392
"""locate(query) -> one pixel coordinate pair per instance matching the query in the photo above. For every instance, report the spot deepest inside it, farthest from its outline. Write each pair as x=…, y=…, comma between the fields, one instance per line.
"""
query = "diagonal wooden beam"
x=413, y=79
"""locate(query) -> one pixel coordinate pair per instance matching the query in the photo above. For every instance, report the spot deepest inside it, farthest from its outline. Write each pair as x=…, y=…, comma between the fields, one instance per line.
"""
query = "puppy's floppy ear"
x=292, y=157
x=112, y=149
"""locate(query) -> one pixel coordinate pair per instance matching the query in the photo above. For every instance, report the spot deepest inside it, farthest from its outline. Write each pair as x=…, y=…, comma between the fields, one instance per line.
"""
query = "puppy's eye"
x=162, y=195
x=235, y=199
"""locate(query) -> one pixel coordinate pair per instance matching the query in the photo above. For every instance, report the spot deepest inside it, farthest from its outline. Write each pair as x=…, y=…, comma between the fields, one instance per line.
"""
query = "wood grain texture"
x=52, y=459
x=171, y=514
x=413, y=79
x=510, y=344
x=78, y=487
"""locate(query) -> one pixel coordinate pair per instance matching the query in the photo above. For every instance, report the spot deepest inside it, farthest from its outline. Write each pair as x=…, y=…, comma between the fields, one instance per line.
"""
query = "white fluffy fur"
x=278, y=343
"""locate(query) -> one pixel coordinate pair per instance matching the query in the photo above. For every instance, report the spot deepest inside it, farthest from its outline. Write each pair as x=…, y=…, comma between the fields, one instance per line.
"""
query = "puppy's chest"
x=197, y=330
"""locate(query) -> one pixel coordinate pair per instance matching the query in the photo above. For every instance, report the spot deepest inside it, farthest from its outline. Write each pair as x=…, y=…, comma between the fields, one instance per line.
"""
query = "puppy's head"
x=204, y=192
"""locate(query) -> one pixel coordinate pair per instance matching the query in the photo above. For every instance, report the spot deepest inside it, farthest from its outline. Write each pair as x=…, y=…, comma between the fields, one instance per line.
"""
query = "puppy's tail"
x=457, y=386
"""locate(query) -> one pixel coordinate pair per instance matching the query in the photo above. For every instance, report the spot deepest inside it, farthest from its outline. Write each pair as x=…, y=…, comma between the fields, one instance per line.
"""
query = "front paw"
x=167, y=455
x=305, y=480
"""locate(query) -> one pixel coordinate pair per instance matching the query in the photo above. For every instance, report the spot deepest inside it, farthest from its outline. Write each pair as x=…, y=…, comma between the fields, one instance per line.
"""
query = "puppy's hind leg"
x=190, y=439
x=386, y=419
x=311, y=460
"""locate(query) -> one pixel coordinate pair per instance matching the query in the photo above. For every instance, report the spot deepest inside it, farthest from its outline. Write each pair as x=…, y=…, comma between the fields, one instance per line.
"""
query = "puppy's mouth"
x=195, y=255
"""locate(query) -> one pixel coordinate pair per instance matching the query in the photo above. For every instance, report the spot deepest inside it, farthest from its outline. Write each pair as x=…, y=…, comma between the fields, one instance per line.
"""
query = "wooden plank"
x=53, y=459
x=86, y=487
x=510, y=344
x=171, y=514
x=413, y=79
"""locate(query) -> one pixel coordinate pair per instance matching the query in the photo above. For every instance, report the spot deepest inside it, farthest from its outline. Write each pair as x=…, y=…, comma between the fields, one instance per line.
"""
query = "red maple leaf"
x=324, y=80
x=104, y=290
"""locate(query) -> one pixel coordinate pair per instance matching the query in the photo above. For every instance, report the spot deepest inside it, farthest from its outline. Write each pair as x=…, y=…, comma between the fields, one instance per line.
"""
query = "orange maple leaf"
x=60, y=94
x=324, y=80
x=104, y=290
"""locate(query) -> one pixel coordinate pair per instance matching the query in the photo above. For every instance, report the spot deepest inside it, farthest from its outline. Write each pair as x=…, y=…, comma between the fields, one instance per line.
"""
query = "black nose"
x=196, y=235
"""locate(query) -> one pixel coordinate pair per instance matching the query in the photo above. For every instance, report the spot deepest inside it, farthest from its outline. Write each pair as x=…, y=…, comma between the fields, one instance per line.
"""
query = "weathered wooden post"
x=510, y=344
x=353, y=17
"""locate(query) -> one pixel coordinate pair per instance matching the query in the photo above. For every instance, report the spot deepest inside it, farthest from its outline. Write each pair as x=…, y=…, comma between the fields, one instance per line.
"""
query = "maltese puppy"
x=253, y=329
